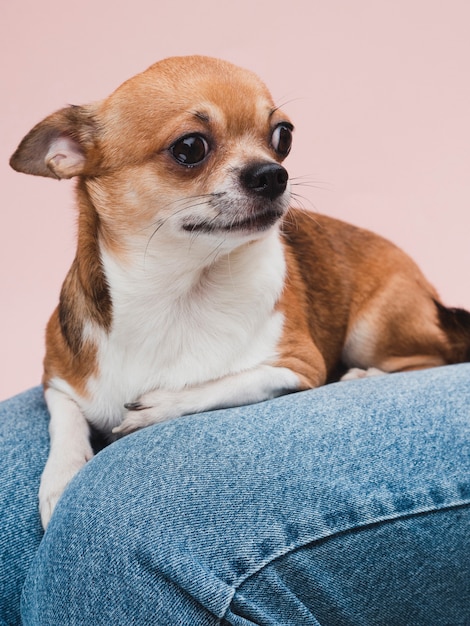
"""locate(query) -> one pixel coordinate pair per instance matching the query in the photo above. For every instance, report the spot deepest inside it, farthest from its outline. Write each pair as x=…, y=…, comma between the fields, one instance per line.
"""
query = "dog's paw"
x=152, y=408
x=57, y=474
x=356, y=372
x=133, y=420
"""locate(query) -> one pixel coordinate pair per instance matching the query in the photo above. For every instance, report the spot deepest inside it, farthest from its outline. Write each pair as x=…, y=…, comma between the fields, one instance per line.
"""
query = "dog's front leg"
x=248, y=387
x=70, y=449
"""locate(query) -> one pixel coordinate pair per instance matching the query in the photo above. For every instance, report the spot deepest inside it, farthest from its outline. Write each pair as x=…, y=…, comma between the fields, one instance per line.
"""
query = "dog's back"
x=369, y=305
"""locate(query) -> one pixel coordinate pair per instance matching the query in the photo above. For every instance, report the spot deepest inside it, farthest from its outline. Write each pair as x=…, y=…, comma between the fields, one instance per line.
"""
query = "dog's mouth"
x=257, y=222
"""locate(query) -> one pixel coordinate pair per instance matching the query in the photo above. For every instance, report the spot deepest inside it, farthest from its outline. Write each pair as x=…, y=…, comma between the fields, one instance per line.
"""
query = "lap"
x=308, y=499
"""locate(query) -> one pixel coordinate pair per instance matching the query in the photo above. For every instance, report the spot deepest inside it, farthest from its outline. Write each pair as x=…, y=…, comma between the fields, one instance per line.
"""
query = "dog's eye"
x=190, y=150
x=281, y=139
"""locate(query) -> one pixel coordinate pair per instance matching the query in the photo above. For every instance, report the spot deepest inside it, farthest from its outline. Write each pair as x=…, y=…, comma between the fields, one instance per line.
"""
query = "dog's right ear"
x=61, y=146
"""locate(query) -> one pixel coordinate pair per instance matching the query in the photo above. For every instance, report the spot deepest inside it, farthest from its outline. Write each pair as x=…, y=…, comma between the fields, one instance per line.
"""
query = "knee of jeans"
x=105, y=557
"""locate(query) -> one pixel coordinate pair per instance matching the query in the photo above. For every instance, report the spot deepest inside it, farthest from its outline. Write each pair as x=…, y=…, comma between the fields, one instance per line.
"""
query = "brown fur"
x=84, y=298
x=341, y=277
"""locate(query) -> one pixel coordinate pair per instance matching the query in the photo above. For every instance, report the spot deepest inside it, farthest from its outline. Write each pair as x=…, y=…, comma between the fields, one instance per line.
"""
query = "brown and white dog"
x=194, y=285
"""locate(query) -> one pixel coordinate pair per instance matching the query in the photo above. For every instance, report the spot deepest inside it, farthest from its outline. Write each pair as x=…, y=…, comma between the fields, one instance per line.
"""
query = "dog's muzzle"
x=261, y=204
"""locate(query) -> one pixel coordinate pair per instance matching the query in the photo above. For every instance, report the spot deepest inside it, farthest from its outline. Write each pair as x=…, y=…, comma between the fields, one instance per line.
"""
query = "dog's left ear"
x=61, y=146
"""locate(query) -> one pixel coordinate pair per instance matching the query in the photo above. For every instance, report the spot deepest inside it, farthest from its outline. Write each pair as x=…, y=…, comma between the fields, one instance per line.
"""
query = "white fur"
x=70, y=449
x=356, y=372
x=359, y=347
x=179, y=322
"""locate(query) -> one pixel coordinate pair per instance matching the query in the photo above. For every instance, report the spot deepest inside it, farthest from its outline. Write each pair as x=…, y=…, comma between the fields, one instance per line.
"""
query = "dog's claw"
x=134, y=406
x=136, y=418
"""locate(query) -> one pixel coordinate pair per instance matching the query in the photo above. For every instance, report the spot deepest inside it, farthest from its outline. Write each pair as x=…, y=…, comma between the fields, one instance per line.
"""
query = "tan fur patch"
x=365, y=300
x=61, y=361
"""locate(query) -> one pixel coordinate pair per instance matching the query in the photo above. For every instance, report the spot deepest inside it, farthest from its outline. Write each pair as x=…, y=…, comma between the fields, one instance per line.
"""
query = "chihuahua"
x=195, y=286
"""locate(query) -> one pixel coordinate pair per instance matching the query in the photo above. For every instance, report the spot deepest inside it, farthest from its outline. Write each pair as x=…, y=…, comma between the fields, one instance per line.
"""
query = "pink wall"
x=379, y=92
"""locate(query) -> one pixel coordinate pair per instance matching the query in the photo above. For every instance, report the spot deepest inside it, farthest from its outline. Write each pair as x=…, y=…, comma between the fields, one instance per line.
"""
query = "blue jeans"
x=345, y=505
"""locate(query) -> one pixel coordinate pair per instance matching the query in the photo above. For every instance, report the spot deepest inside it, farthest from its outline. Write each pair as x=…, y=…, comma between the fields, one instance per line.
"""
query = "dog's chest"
x=180, y=330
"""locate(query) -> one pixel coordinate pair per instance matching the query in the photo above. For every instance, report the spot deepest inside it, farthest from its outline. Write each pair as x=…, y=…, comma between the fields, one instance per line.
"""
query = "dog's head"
x=194, y=144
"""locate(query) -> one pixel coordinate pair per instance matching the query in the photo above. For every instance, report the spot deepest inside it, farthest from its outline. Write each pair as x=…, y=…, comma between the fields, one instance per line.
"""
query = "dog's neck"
x=174, y=269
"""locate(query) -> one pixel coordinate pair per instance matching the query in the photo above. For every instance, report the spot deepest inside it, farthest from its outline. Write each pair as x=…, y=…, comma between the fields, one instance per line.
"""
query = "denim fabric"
x=24, y=444
x=345, y=505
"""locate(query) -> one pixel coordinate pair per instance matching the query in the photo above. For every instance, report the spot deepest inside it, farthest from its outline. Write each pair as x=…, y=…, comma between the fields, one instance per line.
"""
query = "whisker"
x=284, y=102
x=167, y=206
x=215, y=251
x=304, y=202
x=190, y=203
x=306, y=181
x=195, y=233
x=292, y=220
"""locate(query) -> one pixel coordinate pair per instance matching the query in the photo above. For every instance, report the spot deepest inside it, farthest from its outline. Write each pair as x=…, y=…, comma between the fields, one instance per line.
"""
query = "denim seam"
x=321, y=538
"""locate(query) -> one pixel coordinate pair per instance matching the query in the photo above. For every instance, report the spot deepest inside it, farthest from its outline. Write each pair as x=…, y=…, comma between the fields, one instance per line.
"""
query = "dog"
x=195, y=284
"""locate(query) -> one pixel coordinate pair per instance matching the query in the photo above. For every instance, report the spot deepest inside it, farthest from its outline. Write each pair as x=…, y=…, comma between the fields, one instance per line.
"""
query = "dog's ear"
x=61, y=146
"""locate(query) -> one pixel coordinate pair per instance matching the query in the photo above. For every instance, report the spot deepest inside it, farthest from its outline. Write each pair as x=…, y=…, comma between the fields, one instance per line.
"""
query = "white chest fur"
x=179, y=322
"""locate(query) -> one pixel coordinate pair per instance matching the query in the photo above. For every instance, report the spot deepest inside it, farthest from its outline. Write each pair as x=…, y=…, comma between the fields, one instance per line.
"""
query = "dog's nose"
x=265, y=179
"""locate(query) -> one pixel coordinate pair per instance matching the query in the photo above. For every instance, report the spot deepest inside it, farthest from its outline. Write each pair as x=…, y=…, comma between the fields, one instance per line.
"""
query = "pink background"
x=379, y=91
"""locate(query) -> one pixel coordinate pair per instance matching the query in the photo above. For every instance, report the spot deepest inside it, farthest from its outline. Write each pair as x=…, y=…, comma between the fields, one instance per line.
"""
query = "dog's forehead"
x=204, y=76
x=188, y=85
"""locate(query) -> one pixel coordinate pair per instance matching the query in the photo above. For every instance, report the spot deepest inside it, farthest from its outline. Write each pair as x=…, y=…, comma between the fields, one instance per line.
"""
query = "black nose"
x=265, y=179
